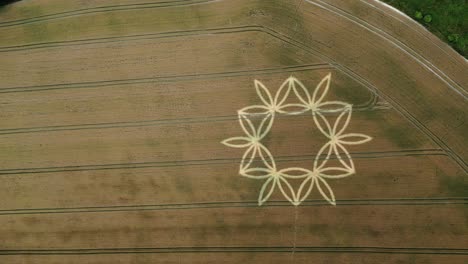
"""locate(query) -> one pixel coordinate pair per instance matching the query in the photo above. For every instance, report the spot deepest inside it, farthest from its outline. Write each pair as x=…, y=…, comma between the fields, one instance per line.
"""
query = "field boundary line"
x=416, y=27
x=369, y=106
x=180, y=163
x=252, y=249
x=234, y=204
x=397, y=43
x=125, y=38
x=166, y=79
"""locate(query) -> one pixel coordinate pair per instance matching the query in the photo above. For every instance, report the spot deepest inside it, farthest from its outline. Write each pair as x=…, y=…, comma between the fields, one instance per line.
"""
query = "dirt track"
x=112, y=114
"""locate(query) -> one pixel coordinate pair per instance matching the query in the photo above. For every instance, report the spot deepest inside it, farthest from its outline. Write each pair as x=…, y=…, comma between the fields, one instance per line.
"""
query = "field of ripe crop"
x=125, y=126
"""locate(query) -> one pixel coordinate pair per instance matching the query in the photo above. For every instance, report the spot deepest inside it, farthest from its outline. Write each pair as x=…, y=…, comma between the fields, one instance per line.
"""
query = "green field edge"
x=447, y=19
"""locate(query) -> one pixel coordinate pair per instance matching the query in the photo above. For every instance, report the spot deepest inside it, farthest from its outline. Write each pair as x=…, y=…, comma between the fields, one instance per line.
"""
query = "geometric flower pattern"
x=276, y=178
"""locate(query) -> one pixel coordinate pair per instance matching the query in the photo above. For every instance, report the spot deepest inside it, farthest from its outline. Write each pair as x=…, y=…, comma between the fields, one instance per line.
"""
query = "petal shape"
x=342, y=122
x=293, y=109
x=263, y=93
x=256, y=173
x=247, y=126
x=343, y=156
x=323, y=155
x=354, y=139
x=266, y=157
x=321, y=90
x=237, y=142
x=287, y=190
x=266, y=191
x=301, y=92
x=304, y=190
x=254, y=110
x=283, y=92
x=333, y=107
x=325, y=191
x=335, y=172
x=265, y=126
x=248, y=158
x=322, y=124
x=295, y=173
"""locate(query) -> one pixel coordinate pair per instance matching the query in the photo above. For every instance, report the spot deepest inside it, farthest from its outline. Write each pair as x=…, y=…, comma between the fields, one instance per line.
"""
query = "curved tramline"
x=208, y=131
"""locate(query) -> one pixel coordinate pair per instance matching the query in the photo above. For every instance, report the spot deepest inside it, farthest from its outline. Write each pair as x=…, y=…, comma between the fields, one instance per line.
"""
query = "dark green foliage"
x=448, y=19
x=6, y=2
x=418, y=14
x=428, y=18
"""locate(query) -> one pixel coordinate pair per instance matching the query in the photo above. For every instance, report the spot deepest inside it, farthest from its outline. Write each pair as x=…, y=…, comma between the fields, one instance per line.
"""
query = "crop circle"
x=334, y=148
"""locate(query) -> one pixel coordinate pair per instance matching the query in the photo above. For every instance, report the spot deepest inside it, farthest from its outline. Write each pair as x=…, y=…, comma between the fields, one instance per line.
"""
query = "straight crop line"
x=159, y=35
x=173, y=78
x=158, y=122
x=181, y=163
x=252, y=249
x=385, y=35
x=236, y=204
x=101, y=9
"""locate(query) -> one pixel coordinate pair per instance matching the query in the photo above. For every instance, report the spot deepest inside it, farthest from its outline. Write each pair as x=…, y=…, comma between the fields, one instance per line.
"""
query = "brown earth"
x=239, y=257
x=112, y=114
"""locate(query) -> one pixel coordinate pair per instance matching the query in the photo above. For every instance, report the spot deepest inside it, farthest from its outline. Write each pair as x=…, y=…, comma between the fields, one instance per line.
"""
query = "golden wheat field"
x=229, y=131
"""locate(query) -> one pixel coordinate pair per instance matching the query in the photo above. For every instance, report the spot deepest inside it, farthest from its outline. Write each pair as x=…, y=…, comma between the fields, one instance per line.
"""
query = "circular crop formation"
x=334, y=148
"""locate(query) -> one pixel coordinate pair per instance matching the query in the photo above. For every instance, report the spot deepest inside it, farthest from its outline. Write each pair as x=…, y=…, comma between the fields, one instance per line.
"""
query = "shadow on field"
x=7, y=2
